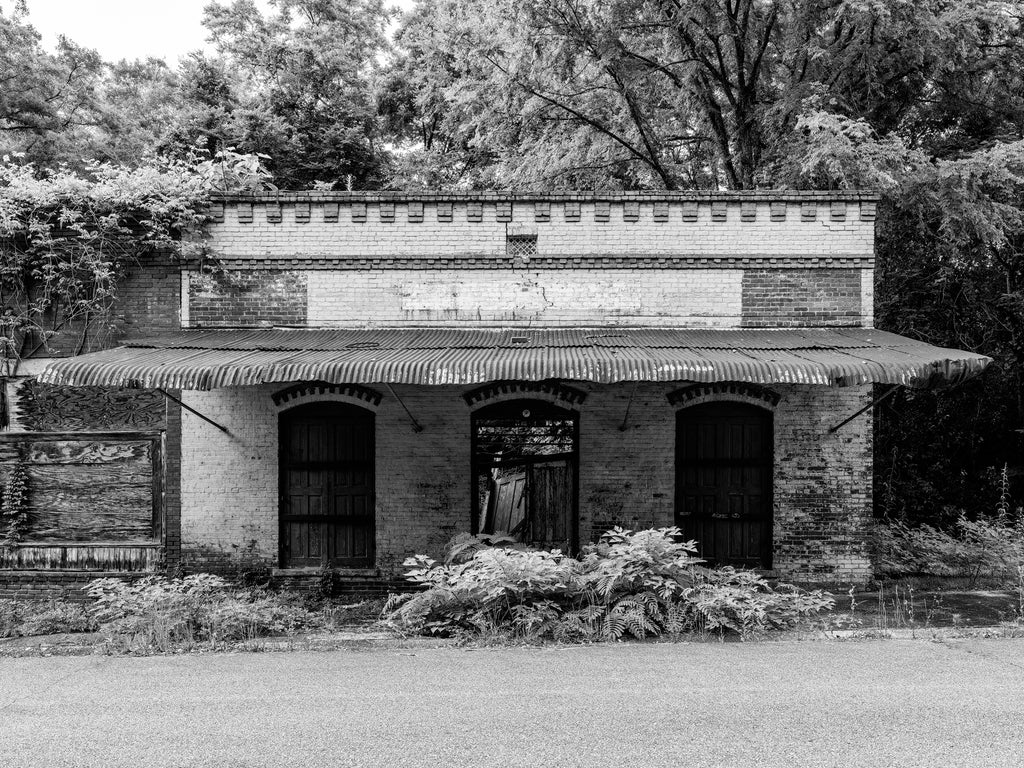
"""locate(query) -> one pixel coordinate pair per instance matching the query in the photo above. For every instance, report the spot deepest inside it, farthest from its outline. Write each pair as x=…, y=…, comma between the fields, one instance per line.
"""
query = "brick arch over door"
x=322, y=392
x=327, y=475
x=724, y=466
x=732, y=391
x=550, y=391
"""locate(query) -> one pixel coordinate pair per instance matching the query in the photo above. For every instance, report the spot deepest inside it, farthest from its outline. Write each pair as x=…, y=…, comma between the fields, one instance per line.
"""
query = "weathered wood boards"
x=93, y=500
x=44, y=407
x=81, y=557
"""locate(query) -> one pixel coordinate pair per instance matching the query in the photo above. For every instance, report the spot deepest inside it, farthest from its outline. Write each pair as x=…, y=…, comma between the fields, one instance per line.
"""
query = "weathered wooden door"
x=724, y=458
x=508, y=501
x=550, y=486
x=327, y=486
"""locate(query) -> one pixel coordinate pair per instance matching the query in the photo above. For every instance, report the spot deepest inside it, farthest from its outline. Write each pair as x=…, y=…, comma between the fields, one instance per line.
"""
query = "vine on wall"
x=68, y=237
x=14, y=516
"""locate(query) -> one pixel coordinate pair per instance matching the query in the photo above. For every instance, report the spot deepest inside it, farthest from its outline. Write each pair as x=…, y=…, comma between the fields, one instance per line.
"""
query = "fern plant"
x=638, y=615
x=629, y=584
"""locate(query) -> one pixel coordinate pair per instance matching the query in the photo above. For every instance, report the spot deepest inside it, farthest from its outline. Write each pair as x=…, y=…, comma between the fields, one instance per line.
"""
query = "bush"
x=743, y=601
x=57, y=617
x=10, y=617
x=639, y=584
x=157, y=613
x=990, y=548
x=36, y=617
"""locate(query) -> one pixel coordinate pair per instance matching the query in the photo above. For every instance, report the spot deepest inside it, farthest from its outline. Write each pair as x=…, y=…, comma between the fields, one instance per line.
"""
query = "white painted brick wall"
x=822, y=480
x=867, y=297
x=229, y=487
x=705, y=297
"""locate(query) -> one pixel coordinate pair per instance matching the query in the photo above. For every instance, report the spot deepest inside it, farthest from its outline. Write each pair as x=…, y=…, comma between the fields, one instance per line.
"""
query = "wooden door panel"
x=551, y=504
x=723, y=482
x=509, y=503
x=327, y=471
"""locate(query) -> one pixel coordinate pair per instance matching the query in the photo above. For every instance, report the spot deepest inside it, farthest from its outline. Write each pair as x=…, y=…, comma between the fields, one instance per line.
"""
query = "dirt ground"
x=896, y=607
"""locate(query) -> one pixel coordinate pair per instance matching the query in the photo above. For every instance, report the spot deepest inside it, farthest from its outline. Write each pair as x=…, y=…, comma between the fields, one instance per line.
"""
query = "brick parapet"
x=575, y=226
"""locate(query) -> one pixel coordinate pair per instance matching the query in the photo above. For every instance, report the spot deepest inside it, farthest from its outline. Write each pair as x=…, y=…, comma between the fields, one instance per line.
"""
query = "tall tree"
x=300, y=79
x=689, y=93
x=920, y=99
x=46, y=99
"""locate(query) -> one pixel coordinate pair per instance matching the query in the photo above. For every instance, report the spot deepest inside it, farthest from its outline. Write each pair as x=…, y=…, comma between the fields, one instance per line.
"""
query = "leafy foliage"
x=637, y=584
x=14, y=516
x=57, y=617
x=49, y=101
x=297, y=86
x=67, y=237
x=37, y=617
x=157, y=613
x=743, y=601
x=464, y=545
x=988, y=548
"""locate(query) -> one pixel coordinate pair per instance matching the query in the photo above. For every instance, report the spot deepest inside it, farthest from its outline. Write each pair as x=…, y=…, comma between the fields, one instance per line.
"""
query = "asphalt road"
x=878, y=703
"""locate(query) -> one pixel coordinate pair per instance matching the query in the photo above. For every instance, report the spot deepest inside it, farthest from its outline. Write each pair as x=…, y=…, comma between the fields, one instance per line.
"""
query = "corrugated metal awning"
x=202, y=360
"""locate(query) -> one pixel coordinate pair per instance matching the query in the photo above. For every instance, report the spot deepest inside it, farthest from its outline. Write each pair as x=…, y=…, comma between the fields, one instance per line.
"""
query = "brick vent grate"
x=521, y=245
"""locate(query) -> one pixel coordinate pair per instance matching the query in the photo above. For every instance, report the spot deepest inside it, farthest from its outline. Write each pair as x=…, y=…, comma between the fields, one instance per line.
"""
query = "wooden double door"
x=327, y=486
x=724, y=464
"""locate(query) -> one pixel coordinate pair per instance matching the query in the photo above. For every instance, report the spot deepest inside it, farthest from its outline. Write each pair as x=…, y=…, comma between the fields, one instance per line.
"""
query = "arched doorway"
x=327, y=486
x=724, y=461
x=525, y=472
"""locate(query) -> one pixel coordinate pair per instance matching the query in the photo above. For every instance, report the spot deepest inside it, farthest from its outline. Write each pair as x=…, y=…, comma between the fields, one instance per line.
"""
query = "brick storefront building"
x=373, y=373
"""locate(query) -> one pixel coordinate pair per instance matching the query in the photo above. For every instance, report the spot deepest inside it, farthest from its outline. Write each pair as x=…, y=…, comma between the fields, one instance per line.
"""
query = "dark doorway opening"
x=327, y=486
x=724, y=462
x=525, y=473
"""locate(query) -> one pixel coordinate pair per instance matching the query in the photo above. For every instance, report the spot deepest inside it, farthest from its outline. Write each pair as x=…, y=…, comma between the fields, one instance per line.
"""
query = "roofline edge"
x=756, y=195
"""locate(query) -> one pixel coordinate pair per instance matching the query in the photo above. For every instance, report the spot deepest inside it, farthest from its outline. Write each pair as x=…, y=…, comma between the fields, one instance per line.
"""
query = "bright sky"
x=127, y=29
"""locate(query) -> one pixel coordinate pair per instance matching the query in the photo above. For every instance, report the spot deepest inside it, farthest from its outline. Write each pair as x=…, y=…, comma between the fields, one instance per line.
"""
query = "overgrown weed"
x=629, y=584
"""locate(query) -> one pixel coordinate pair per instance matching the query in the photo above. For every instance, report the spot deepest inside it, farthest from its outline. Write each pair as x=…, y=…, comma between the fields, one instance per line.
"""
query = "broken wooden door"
x=525, y=465
x=724, y=459
x=327, y=486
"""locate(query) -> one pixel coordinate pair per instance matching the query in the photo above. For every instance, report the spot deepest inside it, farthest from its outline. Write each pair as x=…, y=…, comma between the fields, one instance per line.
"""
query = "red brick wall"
x=149, y=299
x=783, y=298
x=247, y=299
x=53, y=585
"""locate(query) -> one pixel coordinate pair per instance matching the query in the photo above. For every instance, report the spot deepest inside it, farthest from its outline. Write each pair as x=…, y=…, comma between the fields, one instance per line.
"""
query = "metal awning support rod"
x=625, y=418
x=881, y=398
x=416, y=426
x=190, y=409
